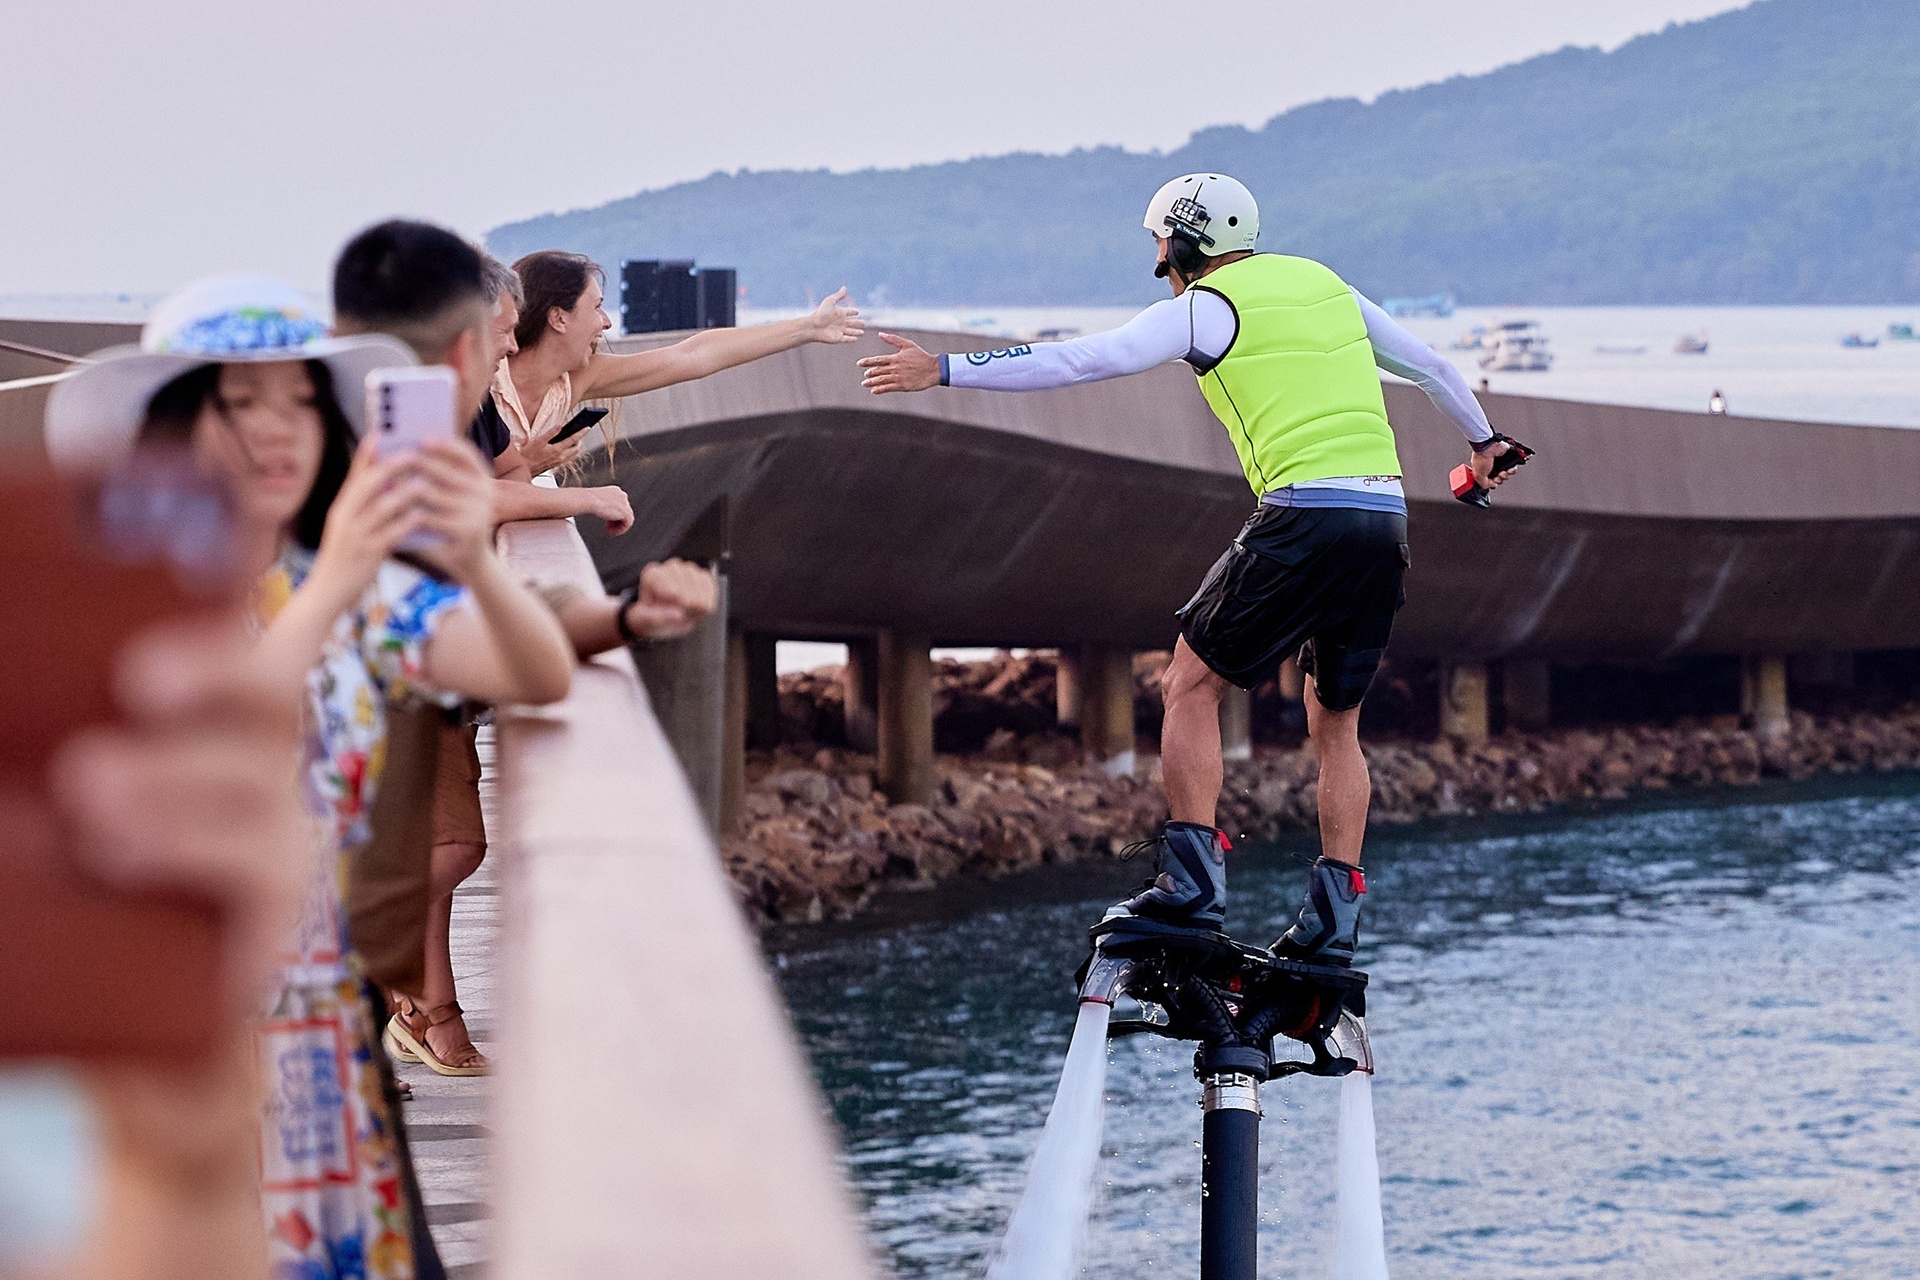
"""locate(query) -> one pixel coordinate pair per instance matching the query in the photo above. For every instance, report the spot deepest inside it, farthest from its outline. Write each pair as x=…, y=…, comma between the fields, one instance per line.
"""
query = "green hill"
x=1770, y=155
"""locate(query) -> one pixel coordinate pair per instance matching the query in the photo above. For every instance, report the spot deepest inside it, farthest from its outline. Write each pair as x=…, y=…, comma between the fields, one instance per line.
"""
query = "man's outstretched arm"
x=1164, y=332
x=1402, y=354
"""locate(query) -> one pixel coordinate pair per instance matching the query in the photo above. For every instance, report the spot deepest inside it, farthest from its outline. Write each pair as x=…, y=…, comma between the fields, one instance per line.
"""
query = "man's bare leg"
x=1190, y=765
x=1327, y=930
x=1190, y=884
x=1346, y=788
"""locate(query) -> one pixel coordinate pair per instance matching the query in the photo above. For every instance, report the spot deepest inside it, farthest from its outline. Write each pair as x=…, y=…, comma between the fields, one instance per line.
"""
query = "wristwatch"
x=626, y=600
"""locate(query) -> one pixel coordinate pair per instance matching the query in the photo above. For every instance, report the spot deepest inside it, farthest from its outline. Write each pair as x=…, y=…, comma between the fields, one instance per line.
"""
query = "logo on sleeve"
x=1004, y=353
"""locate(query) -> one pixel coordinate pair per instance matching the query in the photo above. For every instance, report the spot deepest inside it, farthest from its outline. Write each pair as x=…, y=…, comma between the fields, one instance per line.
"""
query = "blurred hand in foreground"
x=906, y=368
x=195, y=790
x=674, y=597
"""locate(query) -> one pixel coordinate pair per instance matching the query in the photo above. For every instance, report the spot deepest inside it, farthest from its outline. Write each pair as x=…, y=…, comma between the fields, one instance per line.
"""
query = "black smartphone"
x=579, y=422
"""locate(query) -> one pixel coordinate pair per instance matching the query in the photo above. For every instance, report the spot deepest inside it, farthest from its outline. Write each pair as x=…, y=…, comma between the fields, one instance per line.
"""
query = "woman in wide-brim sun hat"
x=94, y=414
x=241, y=371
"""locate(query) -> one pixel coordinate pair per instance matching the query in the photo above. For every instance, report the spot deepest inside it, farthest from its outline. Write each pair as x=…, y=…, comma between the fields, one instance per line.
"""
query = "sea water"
x=1662, y=1039
x=1044, y=1237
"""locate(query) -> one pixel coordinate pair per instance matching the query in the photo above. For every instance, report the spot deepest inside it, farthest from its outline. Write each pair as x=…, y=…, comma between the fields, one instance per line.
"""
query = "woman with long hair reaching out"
x=560, y=363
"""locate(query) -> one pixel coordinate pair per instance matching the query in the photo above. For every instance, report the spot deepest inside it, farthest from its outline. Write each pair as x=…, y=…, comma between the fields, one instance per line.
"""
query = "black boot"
x=1329, y=925
x=1191, y=885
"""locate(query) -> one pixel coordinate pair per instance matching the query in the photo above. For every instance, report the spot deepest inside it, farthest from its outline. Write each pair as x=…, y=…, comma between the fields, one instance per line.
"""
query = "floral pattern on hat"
x=244, y=329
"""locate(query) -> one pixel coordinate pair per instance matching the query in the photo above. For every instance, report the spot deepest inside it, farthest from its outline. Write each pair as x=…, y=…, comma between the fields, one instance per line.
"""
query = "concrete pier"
x=762, y=691
x=1066, y=689
x=1527, y=693
x=1463, y=702
x=1763, y=693
x=686, y=682
x=860, y=693
x=1236, y=724
x=1106, y=706
x=906, y=716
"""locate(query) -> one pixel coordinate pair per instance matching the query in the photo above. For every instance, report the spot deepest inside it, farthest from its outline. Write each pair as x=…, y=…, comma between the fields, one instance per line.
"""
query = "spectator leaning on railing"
x=515, y=497
x=240, y=369
x=559, y=363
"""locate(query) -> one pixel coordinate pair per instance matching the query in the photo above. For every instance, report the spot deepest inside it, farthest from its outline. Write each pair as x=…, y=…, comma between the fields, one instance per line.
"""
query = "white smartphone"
x=406, y=407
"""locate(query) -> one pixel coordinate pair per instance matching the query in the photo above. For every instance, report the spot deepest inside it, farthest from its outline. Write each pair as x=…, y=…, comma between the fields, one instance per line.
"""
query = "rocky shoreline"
x=819, y=840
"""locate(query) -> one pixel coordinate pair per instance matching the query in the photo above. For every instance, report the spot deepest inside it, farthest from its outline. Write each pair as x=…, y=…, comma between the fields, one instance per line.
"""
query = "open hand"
x=832, y=322
x=906, y=368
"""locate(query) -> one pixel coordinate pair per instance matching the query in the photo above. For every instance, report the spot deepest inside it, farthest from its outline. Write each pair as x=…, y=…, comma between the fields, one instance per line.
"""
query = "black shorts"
x=1324, y=582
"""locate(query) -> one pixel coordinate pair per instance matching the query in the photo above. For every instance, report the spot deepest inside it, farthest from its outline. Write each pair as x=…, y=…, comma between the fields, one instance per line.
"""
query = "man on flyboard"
x=1285, y=353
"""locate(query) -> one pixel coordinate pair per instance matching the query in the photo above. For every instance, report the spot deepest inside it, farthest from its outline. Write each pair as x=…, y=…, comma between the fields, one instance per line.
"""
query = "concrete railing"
x=654, y=1114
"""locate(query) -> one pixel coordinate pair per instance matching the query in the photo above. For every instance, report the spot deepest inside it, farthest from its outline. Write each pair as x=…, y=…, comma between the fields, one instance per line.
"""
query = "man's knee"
x=1188, y=678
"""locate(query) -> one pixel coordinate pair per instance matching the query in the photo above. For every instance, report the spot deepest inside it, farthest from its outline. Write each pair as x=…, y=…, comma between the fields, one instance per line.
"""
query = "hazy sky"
x=147, y=143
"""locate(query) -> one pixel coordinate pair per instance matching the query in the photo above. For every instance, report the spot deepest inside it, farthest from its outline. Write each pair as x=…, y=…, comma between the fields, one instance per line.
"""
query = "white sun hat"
x=94, y=414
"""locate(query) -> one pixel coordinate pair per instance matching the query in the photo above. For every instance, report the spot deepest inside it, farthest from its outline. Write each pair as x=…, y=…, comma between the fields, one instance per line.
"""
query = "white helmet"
x=1215, y=210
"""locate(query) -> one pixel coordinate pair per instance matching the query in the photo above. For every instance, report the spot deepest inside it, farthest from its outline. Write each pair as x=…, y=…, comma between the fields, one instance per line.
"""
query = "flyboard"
x=1234, y=1001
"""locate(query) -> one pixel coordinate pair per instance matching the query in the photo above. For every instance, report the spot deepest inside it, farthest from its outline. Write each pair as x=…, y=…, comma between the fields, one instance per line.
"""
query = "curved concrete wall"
x=1089, y=514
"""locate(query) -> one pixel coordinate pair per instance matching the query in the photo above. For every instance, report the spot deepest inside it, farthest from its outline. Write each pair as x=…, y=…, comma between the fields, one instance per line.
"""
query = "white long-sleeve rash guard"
x=1198, y=327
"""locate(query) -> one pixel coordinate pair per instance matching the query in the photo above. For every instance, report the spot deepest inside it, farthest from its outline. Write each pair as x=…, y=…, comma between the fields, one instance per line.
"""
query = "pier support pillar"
x=686, y=682
x=1236, y=724
x=1824, y=670
x=762, y=679
x=735, y=733
x=1528, y=693
x=1291, y=681
x=1106, y=707
x=1763, y=693
x=1066, y=689
x=1463, y=702
x=906, y=716
x=860, y=693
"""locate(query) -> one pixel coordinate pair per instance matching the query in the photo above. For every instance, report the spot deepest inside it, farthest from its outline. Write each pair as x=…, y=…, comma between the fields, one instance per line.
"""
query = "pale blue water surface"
x=1661, y=1041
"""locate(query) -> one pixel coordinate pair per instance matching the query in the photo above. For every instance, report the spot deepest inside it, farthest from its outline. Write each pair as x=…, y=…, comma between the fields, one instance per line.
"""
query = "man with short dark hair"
x=429, y=288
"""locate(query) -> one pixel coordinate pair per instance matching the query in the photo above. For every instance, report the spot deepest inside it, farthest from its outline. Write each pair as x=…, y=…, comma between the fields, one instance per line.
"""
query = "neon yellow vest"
x=1297, y=390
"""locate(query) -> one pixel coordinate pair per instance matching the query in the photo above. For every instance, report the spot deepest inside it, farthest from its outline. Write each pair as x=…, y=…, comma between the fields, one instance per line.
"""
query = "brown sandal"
x=407, y=1040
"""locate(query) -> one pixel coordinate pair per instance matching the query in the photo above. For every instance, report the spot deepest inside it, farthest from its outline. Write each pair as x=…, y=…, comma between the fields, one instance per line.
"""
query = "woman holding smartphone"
x=560, y=363
x=240, y=370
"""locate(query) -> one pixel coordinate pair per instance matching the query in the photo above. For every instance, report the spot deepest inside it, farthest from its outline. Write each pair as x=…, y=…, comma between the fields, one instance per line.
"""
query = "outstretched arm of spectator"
x=712, y=350
x=670, y=600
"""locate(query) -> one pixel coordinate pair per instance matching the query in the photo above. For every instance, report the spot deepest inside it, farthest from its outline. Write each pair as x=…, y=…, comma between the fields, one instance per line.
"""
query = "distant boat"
x=1059, y=333
x=1604, y=350
x=1518, y=346
x=1691, y=344
x=1902, y=333
x=1474, y=339
x=1437, y=305
x=1860, y=341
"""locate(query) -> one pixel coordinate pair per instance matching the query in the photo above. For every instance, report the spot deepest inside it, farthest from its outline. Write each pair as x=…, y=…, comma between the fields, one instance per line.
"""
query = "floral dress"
x=329, y=1166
